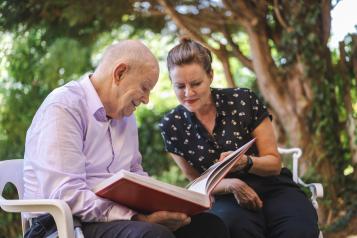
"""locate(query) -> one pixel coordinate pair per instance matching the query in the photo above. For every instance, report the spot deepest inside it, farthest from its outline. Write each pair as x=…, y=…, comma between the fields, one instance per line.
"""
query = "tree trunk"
x=290, y=95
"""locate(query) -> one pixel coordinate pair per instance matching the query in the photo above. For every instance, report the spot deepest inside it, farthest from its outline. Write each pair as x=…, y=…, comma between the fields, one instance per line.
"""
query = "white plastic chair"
x=316, y=189
x=12, y=172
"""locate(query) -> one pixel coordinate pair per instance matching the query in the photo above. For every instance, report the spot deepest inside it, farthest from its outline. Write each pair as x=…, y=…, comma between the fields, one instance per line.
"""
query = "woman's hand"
x=224, y=155
x=244, y=194
x=239, y=164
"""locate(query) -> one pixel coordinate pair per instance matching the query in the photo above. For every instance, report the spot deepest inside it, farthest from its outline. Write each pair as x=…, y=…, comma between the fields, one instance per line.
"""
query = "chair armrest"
x=296, y=155
x=317, y=191
x=59, y=209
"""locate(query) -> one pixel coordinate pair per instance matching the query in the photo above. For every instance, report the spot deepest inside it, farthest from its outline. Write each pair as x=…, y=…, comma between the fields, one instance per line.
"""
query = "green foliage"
x=35, y=68
x=10, y=223
x=173, y=176
x=79, y=19
x=155, y=160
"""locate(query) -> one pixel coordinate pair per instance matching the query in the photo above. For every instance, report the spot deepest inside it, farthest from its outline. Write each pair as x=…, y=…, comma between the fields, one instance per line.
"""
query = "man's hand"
x=172, y=220
x=243, y=193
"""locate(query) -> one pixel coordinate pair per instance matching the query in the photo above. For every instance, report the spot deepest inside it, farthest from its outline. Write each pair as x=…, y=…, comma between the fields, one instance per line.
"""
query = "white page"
x=201, y=184
x=205, y=183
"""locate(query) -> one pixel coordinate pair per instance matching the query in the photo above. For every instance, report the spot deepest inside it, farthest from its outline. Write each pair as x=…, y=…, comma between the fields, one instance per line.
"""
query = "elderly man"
x=85, y=131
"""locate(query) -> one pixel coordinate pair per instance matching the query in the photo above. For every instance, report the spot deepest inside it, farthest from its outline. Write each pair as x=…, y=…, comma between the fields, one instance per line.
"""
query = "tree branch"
x=237, y=52
x=243, y=17
x=326, y=20
x=223, y=57
x=354, y=56
x=169, y=9
x=279, y=17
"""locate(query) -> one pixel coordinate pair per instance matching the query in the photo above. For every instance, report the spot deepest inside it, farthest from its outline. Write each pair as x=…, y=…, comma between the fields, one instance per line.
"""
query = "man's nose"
x=145, y=98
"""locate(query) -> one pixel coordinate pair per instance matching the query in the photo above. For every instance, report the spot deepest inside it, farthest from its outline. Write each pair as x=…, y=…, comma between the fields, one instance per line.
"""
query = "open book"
x=145, y=194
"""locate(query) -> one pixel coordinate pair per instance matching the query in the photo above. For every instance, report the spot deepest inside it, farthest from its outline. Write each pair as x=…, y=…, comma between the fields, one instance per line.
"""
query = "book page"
x=201, y=183
x=209, y=179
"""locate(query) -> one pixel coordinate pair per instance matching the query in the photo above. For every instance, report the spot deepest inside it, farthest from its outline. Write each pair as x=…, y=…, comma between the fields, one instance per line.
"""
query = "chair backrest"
x=12, y=172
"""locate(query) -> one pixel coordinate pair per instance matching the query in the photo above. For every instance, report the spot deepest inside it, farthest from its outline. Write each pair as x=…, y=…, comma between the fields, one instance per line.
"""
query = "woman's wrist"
x=249, y=164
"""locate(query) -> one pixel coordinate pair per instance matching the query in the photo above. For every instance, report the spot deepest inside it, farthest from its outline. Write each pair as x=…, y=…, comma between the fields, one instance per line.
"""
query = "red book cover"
x=147, y=199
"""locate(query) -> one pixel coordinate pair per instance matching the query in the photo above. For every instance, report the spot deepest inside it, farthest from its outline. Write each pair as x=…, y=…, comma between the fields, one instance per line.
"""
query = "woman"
x=258, y=199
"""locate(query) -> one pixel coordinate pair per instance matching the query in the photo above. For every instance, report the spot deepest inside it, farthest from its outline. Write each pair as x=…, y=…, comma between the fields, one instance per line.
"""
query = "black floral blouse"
x=239, y=112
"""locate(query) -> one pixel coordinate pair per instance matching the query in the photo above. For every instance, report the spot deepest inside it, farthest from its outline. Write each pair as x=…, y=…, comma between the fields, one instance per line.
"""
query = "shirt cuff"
x=118, y=212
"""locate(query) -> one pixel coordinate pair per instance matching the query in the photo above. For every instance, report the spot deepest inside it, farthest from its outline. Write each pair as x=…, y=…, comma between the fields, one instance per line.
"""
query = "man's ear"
x=119, y=72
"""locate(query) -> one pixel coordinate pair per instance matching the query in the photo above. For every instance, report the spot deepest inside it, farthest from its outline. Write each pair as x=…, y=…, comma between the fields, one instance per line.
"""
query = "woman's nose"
x=188, y=91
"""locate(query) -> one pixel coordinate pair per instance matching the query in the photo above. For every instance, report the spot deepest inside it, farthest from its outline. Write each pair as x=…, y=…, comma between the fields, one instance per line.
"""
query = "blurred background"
x=300, y=57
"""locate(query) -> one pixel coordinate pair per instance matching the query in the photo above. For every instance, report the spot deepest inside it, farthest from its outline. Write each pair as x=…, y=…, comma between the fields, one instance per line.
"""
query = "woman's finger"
x=224, y=155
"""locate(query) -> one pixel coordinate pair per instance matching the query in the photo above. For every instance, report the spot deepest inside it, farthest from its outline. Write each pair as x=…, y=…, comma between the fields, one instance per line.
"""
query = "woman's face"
x=192, y=86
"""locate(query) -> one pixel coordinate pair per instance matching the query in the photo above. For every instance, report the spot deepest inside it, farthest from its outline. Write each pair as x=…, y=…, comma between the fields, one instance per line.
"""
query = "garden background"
x=280, y=49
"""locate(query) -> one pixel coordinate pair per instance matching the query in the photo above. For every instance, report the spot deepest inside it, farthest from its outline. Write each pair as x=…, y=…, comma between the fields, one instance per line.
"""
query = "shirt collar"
x=217, y=96
x=95, y=106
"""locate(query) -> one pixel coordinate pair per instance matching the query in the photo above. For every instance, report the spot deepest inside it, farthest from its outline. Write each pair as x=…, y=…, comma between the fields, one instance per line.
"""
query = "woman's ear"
x=210, y=75
x=119, y=72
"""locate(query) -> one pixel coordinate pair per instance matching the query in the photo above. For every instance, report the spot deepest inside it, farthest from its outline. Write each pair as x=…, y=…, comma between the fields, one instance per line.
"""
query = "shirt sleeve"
x=258, y=110
x=54, y=147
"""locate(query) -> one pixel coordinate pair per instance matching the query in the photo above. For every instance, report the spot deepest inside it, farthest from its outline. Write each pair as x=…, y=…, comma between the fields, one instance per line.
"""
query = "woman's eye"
x=196, y=84
x=180, y=86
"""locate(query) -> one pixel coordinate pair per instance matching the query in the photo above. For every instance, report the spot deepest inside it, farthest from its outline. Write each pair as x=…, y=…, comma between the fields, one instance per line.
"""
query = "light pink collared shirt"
x=71, y=146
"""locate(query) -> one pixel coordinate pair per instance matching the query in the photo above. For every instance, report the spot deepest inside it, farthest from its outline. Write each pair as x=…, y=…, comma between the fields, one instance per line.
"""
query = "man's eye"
x=180, y=86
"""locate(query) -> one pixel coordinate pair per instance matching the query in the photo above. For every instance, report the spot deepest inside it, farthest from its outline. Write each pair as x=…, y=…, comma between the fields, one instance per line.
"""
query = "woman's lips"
x=190, y=101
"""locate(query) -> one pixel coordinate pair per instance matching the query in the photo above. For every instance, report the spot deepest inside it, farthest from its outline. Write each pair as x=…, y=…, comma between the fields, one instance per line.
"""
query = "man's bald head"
x=131, y=52
x=126, y=74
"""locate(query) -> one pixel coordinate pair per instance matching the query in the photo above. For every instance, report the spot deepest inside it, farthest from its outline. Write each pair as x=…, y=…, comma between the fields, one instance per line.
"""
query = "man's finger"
x=256, y=202
x=259, y=202
x=186, y=221
x=175, y=216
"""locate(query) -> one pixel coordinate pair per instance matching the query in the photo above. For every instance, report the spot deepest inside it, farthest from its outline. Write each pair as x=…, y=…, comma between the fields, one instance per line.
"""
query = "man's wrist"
x=138, y=217
x=248, y=165
x=134, y=217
